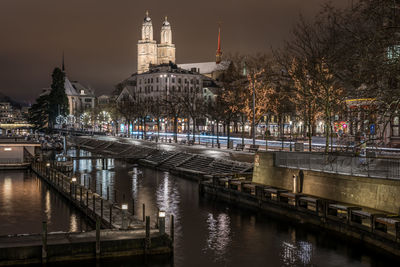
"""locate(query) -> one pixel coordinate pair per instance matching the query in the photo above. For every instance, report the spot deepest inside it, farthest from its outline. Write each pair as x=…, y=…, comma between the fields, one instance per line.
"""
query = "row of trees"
x=341, y=53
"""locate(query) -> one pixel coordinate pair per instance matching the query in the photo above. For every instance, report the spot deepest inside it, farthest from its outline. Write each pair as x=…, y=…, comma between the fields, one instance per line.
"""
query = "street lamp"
x=161, y=222
x=124, y=208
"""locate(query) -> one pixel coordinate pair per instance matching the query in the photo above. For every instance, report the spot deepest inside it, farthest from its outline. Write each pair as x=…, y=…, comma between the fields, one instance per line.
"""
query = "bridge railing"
x=387, y=168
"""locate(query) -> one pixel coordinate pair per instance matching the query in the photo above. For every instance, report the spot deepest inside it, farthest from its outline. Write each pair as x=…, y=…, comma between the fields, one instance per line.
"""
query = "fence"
x=341, y=164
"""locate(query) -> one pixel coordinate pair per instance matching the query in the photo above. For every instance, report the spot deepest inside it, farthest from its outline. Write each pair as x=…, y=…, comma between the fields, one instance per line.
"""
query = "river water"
x=207, y=232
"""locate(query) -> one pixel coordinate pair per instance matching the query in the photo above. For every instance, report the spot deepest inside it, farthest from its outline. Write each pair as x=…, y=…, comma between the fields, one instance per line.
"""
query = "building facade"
x=151, y=53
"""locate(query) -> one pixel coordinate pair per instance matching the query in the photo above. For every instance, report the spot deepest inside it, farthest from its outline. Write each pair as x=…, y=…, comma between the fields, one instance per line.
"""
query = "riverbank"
x=182, y=163
x=381, y=230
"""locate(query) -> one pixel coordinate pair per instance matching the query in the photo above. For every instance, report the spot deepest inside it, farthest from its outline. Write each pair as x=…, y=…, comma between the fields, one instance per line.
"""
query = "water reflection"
x=168, y=197
x=26, y=201
x=211, y=233
x=219, y=231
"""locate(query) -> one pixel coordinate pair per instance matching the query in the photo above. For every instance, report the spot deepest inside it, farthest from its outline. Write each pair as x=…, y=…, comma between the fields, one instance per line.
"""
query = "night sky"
x=99, y=37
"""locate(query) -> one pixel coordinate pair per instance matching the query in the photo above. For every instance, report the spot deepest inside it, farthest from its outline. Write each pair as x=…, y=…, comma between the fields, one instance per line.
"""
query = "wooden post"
x=158, y=219
x=144, y=212
x=80, y=189
x=115, y=196
x=148, y=238
x=133, y=206
x=44, y=242
x=101, y=189
x=101, y=204
x=87, y=198
x=172, y=228
x=75, y=186
x=97, y=238
x=110, y=216
x=94, y=204
x=108, y=193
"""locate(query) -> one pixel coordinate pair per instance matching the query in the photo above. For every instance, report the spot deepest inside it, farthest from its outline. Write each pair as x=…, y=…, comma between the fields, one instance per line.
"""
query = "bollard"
x=111, y=216
x=97, y=238
x=101, y=205
x=87, y=198
x=133, y=206
x=144, y=212
x=161, y=222
x=44, y=242
x=108, y=193
x=148, y=238
x=171, y=228
x=94, y=204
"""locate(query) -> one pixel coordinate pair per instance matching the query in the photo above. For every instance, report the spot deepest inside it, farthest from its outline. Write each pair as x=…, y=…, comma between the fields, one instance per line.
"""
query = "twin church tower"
x=149, y=52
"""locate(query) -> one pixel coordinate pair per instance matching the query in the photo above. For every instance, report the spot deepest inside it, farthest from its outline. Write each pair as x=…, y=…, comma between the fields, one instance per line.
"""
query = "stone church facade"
x=149, y=52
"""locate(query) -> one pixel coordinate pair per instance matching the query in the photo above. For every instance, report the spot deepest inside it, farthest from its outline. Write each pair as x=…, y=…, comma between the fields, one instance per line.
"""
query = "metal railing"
x=11, y=160
x=387, y=168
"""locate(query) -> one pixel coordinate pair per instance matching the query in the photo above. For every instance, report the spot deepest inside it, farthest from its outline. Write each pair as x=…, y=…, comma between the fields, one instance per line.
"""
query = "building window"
x=173, y=88
x=157, y=88
x=395, y=126
x=173, y=80
x=179, y=80
x=157, y=80
x=151, y=80
x=166, y=79
x=191, y=81
x=191, y=90
x=140, y=81
x=197, y=81
x=179, y=88
x=88, y=100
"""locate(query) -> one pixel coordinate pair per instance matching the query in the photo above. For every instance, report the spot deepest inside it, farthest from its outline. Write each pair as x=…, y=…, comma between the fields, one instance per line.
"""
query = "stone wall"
x=381, y=194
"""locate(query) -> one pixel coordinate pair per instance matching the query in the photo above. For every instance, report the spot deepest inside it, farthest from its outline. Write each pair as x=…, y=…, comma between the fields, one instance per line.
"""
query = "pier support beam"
x=144, y=212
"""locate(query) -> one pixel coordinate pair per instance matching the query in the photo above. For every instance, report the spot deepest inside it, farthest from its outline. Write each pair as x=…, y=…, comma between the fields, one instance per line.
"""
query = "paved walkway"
x=222, y=153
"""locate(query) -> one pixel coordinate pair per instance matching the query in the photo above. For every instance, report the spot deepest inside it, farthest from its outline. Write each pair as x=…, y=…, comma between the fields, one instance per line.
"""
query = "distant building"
x=149, y=52
x=80, y=98
x=6, y=112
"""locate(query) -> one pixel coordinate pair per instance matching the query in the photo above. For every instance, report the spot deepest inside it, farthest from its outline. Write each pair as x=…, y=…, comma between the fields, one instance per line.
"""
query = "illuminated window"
x=393, y=52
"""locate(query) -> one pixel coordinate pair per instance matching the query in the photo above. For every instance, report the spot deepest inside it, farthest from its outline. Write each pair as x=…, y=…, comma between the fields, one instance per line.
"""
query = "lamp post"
x=161, y=222
x=124, y=208
x=73, y=180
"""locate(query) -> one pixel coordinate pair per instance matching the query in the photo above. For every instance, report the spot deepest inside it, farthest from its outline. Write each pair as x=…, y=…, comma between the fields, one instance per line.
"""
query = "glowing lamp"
x=161, y=214
x=124, y=206
x=7, y=149
x=73, y=179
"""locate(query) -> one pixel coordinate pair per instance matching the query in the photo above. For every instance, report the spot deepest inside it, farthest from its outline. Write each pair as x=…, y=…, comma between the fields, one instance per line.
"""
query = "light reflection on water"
x=26, y=201
x=219, y=235
x=210, y=233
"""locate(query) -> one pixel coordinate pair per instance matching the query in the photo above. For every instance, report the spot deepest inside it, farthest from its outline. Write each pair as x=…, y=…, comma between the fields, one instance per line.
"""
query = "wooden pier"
x=123, y=234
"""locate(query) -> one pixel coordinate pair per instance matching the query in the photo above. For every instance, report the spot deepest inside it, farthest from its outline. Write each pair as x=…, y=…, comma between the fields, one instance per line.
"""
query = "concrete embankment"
x=375, y=193
x=29, y=249
x=192, y=166
x=379, y=230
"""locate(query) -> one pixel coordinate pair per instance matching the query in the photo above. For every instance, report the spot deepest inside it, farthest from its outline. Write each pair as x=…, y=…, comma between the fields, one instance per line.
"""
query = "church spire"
x=218, y=56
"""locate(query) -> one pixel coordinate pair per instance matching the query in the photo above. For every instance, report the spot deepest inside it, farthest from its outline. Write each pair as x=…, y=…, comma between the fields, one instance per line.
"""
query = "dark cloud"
x=99, y=36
